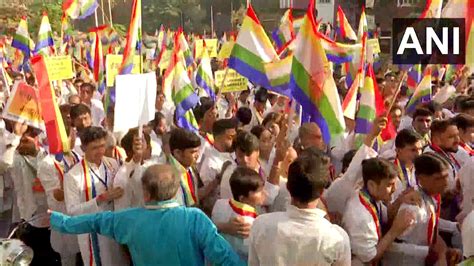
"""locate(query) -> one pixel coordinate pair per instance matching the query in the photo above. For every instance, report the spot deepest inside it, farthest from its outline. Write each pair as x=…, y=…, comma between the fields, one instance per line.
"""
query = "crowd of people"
x=254, y=185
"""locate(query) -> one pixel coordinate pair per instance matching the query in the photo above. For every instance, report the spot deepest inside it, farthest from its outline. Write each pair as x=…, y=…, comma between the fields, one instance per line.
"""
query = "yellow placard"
x=225, y=51
x=59, y=67
x=375, y=45
x=233, y=82
x=23, y=106
x=211, y=45
x=112, y=65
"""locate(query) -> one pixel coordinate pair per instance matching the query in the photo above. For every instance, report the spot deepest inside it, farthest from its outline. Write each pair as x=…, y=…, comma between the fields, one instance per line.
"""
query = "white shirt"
x=168, y=112
x=283, y=199
x=257, y=119
x=362, y=229
x=466, y=176
x=131, y=185
x=343, y=188
x=97, y=112
x=298, y=237
x=156, y=144
x=212, y=162
x=223, y=213
x=453, y=172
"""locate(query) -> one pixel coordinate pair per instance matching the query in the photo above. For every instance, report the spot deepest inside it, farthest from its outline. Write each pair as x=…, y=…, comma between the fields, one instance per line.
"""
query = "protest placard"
x=374, y=43
x=134, y=100
x=233, y=82
x=225, y=51
x=211, y=45
x=112, y=66
x=59, y=67
x=23, y=106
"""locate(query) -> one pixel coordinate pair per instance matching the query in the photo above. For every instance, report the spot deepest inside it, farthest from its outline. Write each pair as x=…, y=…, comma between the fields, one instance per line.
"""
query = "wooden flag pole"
x=110, y=14
x=395, y=95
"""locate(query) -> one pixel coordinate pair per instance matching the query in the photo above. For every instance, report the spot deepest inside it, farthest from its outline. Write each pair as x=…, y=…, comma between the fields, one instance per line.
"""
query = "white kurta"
x=298, y=237
x=452, y=170
x=66, y=245
x=131, y=185
x=75, y=198
x=97, y=112
x=466, y=176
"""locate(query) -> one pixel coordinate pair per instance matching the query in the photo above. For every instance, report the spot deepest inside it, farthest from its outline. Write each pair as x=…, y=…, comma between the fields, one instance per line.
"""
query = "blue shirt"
x=161, y=236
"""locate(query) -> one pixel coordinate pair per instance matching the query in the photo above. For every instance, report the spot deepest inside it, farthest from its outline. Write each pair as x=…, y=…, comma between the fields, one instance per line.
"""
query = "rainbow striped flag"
x=312, y=83
x=278, y=74
x=204, y=77
x=188, y=121
x=432, y=9
x=45, y=44
x=339, y=52
x=22, y=40
x=414, y=77
x=183, y=94
x=370, y=104
x=422, y=93
x=252, y=50
x=98, y=64
x=185, y=50
x=284, y=34
x=79, y=9
x=345, y=29
x=363, y=25
x=134, y=39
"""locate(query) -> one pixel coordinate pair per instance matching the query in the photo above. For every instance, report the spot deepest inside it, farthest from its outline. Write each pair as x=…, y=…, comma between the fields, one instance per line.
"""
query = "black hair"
x=261, y=95
x=307, y=177
x=205, y=105
x=429, y=164
x=182, y=139
x=440, y=126
x=406, y=137
x=220, y=126
x=78, y=110
x=88, y=85
x=158, y=117
x=347, y=159
x=377, y=169
x=272, y=117
x=244, y=115
x=463, y=121
x=127, y=141
x=91, y=134
x=246, y=142
x=257, y=131
x=422, y=112
x=243, y=181
x=78, y=80
x=466, y=105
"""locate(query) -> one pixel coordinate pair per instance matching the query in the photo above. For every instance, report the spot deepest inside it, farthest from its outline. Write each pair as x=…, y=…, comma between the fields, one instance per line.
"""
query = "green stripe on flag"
x=248, y=57
x=183, y=93
x=366, y=112
x=280, y=80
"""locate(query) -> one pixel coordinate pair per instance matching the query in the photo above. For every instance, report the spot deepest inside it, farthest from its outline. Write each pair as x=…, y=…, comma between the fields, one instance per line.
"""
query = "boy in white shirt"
x=248, y=193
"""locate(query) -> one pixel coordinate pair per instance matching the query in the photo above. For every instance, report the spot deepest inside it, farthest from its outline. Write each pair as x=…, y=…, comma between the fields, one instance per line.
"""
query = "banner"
x=134, y=107
x=233, y=82
x=375, y=45
x=23, y=106
x=225, y=51
x=211, y=45
x=59, y=67
x=55, y=130
x=112, y=65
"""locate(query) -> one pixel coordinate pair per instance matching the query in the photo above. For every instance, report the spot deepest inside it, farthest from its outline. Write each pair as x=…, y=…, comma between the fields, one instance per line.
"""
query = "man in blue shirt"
x=162, y=233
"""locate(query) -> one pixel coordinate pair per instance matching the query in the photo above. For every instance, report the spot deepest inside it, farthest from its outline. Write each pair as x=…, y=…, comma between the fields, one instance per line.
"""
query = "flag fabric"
x=349, y=105
x=312, y=83
x=414, y=77
x=188, y=121
x=278, y=74
x=371, y=103
x=55, y=131
x=344, y=27
x=284, y=34
x=184, y=96
x=98, y=59
x=363, y=25
x=79, y=9
x=134, y=39
x=45, y=43
x=339, y=52
x=432, y=9
x=204, y=77
x=252, y=50
x=186, y=51
x=22, y=40
x=422, y=93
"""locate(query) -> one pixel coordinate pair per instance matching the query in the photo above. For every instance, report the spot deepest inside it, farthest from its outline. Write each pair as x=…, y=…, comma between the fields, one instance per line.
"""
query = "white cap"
x=467, y=233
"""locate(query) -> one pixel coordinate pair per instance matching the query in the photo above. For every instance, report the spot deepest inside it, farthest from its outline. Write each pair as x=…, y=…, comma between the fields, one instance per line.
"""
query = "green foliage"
x=121, y=29
x=35, y=13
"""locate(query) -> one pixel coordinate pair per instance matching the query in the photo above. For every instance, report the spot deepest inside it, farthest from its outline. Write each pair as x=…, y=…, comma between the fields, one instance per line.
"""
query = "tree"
x=35, y=14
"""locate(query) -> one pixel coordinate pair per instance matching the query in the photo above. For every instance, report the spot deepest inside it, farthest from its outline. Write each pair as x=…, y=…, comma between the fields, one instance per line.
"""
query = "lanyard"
x=403, y=173
x=435, y=203
x=94, y=174
x=448, y=157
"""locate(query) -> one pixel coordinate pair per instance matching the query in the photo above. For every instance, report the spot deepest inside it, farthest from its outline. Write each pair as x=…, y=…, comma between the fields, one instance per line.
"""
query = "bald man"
x=310, y=135
x=74, y=99
x=161, y=233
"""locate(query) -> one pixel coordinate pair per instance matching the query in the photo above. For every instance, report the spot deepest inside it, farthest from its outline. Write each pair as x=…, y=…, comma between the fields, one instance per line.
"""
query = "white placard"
x=135, y=96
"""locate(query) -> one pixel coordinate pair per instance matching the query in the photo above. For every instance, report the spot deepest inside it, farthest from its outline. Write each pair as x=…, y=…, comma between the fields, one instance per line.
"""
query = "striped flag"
x=339, y=52
x=79, y=9
x=422, y=93
x=45, y=44
x=98, y=59
x=345, y=29
x=184, y=96
x=432, y=9
x=278, y=74
x=204, y=77
x=414, y=77
x=371, y=103
x=284, y=34
x=134, y=39
x=312, y=83
x=252, y=50
x=363, y=25
x=22, y=40
x=186, y=51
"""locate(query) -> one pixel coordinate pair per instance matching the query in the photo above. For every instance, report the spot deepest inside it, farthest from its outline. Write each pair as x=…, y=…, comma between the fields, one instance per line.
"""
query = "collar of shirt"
x=305, y=214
